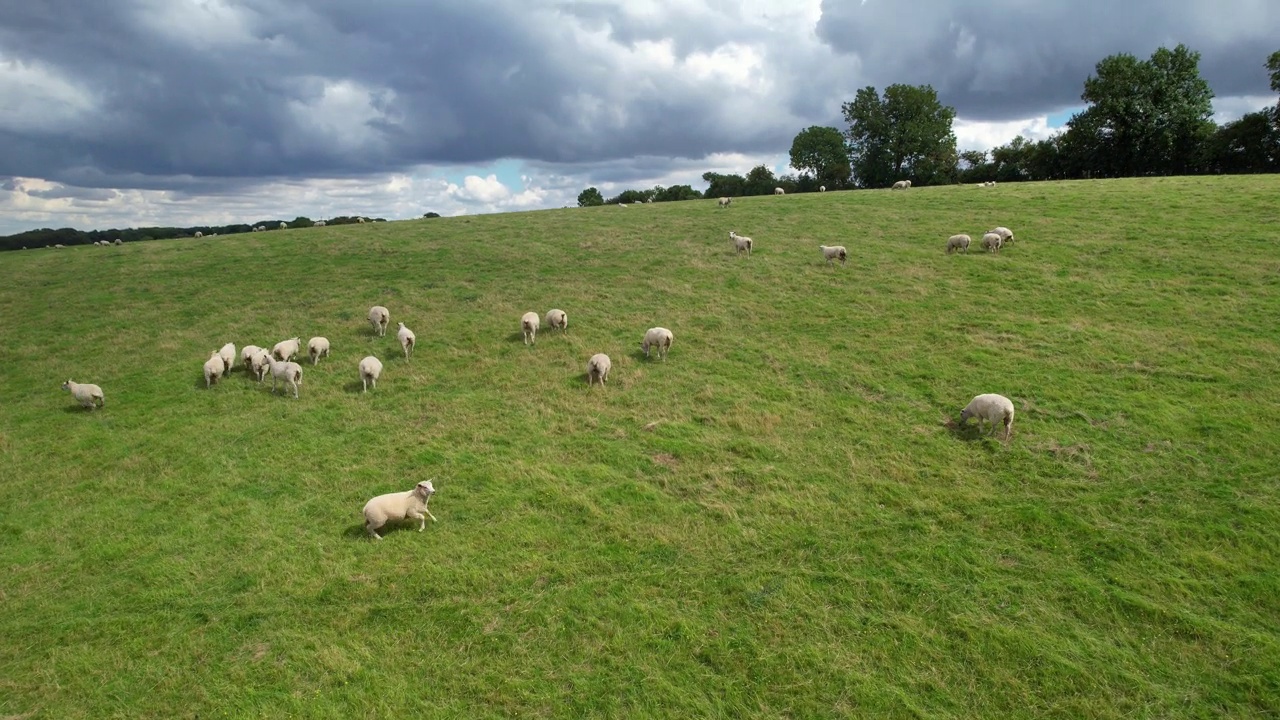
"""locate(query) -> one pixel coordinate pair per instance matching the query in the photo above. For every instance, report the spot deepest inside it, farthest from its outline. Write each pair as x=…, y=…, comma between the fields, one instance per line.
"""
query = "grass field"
x=776, y=522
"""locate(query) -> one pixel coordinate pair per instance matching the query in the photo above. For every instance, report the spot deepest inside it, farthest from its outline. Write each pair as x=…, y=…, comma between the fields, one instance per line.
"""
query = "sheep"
x=317, y=347
x=660, y=338
x=991, y=242
x=822, y=188
x=213, y=369
x=199, y=234
x=286, y=349
x=247, y=354
x=287, y=372
x=901, y=185
x=779, y=191
x=993, y=409
x=284, y=226
x=228, y=355
x=529, y=326
x=958, y=242
x=407, y=339
x=260, y=228
x=87, y=394
x=1006, y=235
x=119, y=241
x=318, y=223
x=360, y=220
x=258, y=364
x=557, y=319
x=740, y=242
x=379, y=317
x=58, y=246
x=834, y=251
x=370, y=371
x=598, y=367
x=409, y=505
x=724, y=202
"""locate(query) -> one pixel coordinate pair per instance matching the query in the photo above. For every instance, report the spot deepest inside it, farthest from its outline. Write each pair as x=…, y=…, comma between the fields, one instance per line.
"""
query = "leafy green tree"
x=760, y=181
x=590, y=197
x=724, y=185
x=1248, y=145
x=904, y=136
x=436, y=214
x=1273, y=67
x=821, y=153
x=676, y=193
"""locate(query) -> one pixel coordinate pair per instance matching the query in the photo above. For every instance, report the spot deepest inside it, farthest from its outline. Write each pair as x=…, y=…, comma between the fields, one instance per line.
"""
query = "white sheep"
x=260, y=228
x=289, y=373
x=407, y=340
x=259, y=364
x=994, y=409
x=286, y=349
x=779, y=191
x=58, y=246
x=822, y=188
x=724, y=202
x=317, y=347
x=370, y=371
x=598, y=368
x=199, y=234
x=1006, y=235
x=557, y=319
x=119, y=241
x=832, y=252
x=228, y=355
x=991, y=242
x=360, y=220
x=319, y=223
x=740, y=242
x=958, y=242
x=660, y=338
x=379, y=317
x=284, y=226
x=87, y=394
x=246, y=355
x=529, y=327
x=901, y=185
x=213, y=369
x=408, y=505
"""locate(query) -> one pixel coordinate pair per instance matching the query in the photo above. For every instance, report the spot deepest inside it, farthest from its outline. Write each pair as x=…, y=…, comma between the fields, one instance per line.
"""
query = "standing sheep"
x=994, y=409
x=407, y=340
x=379, y=317
x=370, y=371
x=228, y=355
x=557, y=319
x=822, y=188
x=246, y=355
x=290, y=373
x=286, y=349
x=529, y=327
x=598, y=368
x=779, y=191
x=660, y=338
x=87, y=394
x=409, y=505
x=1006, y=235
x=199, y=234
x=740, y=242
x=991, y=242
x=900, y=185
x=318, y=223
x=316, y=347
x=958, y=242
x=258, y=364
x=724, y=202
x=284, y=226
x=213, y=369
x=360, y=220
x=833, y=252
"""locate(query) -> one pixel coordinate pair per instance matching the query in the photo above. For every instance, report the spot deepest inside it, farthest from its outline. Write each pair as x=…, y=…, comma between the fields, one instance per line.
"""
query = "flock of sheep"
x=994, y=410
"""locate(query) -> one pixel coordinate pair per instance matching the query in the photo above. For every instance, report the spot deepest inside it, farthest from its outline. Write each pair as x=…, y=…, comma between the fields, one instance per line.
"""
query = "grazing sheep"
x=119, y=241
x=991, y=242
x=284, y=226
x=246, y=355
x=379, y=317
x=724, y=202
x=286, y=349
x=370, y=371
x=260, y=228
x=1006, y=235
x=660, y=338
x=318, y=223
x=199, y=234
x=287, y=372
x=360, y=220
x=58, y=246
x=832, y=252
x=958, y=242
x=557, y=319
x=87, y=394
x=779, y=191
x=529, y=326
x=258, y=364
x=409, y=505
x=214, y=367
x=407, y=340
x=994, y=409
x=901, y=185
x=598, y=367
x=740, y=242
x=317, y=347
x=822, y=188
x=228, y=355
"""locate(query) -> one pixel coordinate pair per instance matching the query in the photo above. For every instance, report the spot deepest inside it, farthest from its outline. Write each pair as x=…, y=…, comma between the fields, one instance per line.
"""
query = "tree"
x=1273, y=67
x=760, y=181
x=590, y=197
x=1248, y=145
x=904, y=136
x=724, y=185
x=436, y=214
x=822, y=154
x=1145, y=117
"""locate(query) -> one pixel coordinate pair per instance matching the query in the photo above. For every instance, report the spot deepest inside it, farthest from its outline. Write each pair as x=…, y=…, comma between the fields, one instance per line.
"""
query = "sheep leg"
x=428, y=512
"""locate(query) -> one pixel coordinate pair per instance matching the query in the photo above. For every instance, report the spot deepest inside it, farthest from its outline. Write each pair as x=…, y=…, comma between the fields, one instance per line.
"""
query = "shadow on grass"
x=969, y=432
x=357, y=387
x=517, y=337
x=357, y=531
x=79, y=409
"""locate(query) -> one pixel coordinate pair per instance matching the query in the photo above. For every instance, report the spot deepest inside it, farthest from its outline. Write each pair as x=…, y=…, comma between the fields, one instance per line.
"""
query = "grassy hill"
x=780, y=520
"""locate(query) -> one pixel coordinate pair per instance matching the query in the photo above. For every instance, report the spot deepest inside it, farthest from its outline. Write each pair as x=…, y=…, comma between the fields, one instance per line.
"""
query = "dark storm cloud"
x=1010, y=59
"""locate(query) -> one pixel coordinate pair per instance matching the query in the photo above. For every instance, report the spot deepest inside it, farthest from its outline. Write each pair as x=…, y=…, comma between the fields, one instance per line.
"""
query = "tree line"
x=70, y=236
x=1141, y=117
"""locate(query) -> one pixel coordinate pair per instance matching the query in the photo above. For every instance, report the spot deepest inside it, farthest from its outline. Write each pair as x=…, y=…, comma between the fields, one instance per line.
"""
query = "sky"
x=133, y=113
